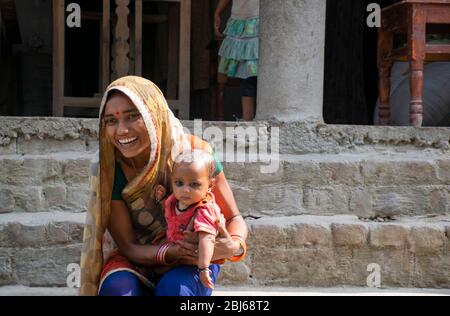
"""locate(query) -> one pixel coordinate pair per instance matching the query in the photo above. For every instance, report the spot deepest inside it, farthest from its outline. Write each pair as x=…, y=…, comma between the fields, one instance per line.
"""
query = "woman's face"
x=125, y=127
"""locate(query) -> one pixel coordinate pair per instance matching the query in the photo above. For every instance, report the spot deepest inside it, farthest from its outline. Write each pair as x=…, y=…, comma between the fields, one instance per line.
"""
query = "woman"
x=138, y=140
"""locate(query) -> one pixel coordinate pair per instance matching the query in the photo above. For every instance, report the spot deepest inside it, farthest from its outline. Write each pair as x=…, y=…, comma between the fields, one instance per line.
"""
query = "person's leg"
x=121, y=283
x=248, y=95
x=185, y=281
x=248, y=108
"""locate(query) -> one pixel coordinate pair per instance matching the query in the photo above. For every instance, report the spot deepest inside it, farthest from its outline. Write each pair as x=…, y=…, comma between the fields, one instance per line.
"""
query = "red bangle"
x=161, y=254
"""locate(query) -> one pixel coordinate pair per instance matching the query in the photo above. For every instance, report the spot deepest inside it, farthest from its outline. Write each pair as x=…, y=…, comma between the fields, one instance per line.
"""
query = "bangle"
x=204, y=269
x=161, y=254
x=243, y=245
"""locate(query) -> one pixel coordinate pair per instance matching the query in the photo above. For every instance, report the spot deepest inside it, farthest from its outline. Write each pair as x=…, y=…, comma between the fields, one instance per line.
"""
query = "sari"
x=168, y=140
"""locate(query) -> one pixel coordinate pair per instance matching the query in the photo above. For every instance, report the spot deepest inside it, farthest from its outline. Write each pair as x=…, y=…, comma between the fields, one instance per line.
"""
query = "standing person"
x=240, y=48
x=125, y=230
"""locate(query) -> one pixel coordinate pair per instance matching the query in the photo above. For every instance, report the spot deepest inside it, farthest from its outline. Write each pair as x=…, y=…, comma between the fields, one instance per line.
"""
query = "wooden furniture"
x=127, y=40
x=411, y=17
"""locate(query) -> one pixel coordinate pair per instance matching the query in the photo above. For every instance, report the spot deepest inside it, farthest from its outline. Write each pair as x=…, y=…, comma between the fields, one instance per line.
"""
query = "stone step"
x=19, y=290
x=319, y=251
x=340, y=250
x=358, y=184
x=36, y=249
x=34, y=135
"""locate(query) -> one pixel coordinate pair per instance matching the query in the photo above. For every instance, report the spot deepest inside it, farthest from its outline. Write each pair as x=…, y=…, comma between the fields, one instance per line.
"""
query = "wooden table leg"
x=416, y=41
x=385, y=45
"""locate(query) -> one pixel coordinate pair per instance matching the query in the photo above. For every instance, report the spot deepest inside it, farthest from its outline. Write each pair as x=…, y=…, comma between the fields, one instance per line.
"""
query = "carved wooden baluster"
x=121, y=48
x=416, y=39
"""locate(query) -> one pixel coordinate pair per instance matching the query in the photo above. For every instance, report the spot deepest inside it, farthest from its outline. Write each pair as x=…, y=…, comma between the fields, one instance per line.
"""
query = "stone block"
x=400, y=200
x=28, y=199
x=308, y=235
x=18, y=235
x=427, y=240
x=388, y=235
x=6, y=270
x=45, y=266
x=391, y=173
x=76, y=171
x=78, y=197
x=35, y=145
x=55, y=196
x=235, y=274
x=8, y=146
x=361, y=202
x=349, y=235
x=302, y=172
x=7, y=202
x=438, y=201
x=29, y=171
x=271, y=236
x=444, y=170
x=328, y=200
x=341, y=172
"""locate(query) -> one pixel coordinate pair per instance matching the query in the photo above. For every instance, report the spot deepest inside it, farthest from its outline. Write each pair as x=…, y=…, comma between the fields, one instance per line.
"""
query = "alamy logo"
x=74, y=17
x=374, y=18
x=374, y=279
x=73, y=279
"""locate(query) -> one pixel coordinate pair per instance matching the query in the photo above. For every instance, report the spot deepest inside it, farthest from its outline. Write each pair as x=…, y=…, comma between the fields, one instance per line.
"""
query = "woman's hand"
x=179, y=254
x=225, y=246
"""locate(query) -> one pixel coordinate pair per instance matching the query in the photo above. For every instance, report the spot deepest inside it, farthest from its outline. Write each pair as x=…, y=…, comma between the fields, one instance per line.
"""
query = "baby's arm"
x=205, y=252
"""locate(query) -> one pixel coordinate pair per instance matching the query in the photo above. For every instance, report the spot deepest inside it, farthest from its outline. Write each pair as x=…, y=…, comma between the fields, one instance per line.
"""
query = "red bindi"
x=117, y=113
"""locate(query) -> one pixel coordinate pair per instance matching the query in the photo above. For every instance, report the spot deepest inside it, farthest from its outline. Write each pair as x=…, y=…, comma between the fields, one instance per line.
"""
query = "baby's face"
x=190, y=183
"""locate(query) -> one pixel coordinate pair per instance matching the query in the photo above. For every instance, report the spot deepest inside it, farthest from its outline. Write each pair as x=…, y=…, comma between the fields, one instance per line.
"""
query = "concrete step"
x=248, y=291
x=318, y=251
x=366, y=186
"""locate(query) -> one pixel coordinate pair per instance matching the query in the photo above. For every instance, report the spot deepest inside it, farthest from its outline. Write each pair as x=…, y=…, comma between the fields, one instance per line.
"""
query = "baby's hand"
x=205, y=278
x=160, y=192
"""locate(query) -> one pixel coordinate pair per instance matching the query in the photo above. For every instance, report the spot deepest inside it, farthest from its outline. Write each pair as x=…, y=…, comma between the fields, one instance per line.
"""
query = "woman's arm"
x=121, y=230
x=225, y=199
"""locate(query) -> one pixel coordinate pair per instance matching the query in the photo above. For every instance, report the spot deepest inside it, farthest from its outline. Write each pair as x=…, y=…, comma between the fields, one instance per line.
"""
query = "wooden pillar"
x=58, y=57
x=121, y=63
x=105, y=46
x=138, y=38
x=416, y=41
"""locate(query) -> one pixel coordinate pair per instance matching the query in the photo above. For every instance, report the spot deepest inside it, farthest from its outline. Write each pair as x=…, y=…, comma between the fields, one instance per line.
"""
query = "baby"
x=192, y=181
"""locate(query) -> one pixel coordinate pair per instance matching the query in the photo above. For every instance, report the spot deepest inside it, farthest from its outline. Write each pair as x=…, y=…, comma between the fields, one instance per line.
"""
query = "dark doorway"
x=351, y=76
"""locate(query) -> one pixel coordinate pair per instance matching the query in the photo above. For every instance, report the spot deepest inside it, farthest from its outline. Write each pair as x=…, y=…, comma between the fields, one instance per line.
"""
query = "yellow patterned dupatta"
x=167, y=141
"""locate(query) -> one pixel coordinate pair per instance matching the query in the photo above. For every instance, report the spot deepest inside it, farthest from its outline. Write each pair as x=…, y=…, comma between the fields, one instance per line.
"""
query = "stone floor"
x=252, y=291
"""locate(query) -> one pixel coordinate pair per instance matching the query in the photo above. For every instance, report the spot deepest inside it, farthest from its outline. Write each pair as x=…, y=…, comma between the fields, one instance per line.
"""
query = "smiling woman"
x=124, y=251
x=126, y=129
